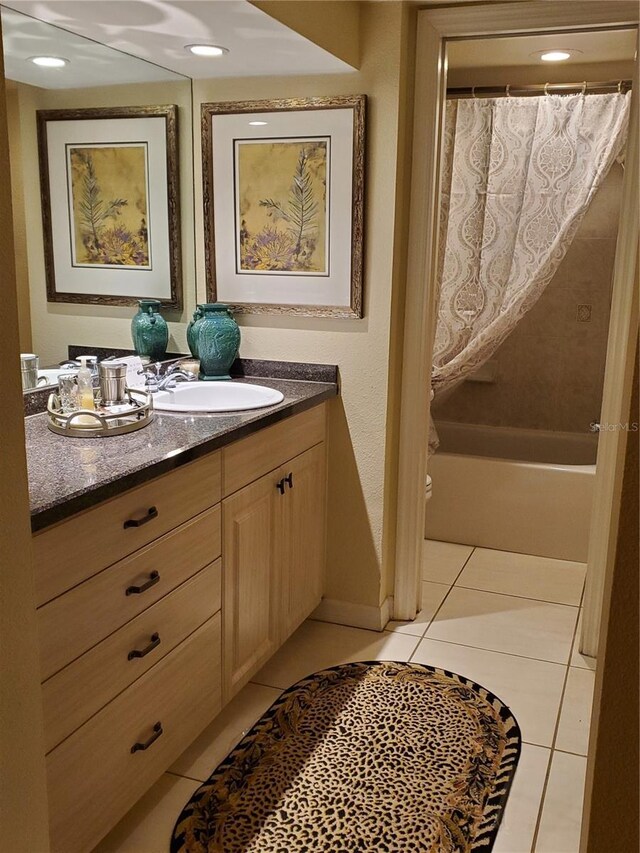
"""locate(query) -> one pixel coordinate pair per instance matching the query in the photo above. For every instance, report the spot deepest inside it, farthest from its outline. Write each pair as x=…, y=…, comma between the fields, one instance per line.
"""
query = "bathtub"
x=528, y=491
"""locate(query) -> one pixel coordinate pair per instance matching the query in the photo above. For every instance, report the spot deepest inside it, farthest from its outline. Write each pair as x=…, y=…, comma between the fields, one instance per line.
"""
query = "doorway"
x=437, y=30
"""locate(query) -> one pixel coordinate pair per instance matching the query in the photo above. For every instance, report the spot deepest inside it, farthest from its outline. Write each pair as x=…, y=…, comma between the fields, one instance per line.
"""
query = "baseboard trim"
x=355, y=615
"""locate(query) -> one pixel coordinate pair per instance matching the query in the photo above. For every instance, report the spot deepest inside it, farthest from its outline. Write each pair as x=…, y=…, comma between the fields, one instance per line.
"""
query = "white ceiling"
x=90, y=64
x=158, y=30
x=604, y=46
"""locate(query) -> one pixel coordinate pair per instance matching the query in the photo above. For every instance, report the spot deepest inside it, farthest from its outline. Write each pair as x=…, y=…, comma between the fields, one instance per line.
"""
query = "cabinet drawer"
x=81, y=689
x=76, y=549
x=94, y=777
x=248, y=459
x=76, y=621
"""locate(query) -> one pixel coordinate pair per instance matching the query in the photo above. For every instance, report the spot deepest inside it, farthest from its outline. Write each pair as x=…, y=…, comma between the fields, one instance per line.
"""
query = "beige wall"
x=55, y=325
x=549, y=372
x=23, y=794
x=540, y=74
x=396, y=332
x=358, y=434
x=19, y=227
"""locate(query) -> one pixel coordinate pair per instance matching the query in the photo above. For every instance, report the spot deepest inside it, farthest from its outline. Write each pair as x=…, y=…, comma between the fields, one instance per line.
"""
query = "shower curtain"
x=518, y=177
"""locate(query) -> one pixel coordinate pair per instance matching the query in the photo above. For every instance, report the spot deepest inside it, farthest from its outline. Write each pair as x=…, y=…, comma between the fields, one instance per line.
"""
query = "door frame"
x=616, y=395
x=435, y=27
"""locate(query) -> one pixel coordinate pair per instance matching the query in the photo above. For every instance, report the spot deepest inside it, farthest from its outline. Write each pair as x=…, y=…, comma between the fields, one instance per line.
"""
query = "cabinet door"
x=301, y=533
x=250, y=581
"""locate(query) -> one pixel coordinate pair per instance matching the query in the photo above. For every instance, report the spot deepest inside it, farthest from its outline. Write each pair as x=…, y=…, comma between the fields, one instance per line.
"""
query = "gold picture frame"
x=283, y=203
x=113, y=236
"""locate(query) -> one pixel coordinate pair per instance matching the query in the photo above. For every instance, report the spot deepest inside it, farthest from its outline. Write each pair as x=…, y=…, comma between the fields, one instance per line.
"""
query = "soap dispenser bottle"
x=85, y=385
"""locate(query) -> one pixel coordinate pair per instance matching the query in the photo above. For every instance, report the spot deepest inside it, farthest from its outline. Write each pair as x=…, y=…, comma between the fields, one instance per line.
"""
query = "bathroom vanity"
x=163, y=584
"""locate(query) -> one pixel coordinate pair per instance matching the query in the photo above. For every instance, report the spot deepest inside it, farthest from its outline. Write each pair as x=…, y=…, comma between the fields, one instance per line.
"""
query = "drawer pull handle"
x=157, y=731
x=280, y=486
x=154, y=577
x=152, y=512
x=289, y=480
x=140, y=653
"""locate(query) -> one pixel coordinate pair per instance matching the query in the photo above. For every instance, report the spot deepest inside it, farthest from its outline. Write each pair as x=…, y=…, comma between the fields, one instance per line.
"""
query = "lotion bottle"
x=85, y=385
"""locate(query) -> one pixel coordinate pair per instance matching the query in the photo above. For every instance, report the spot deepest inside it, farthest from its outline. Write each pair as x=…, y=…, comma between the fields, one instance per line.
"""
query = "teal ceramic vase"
x=216, y=339
x=149, y=330
x=191, y=337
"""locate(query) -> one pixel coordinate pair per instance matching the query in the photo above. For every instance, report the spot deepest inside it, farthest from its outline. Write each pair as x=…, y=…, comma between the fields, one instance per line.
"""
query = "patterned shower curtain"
x=518, y=177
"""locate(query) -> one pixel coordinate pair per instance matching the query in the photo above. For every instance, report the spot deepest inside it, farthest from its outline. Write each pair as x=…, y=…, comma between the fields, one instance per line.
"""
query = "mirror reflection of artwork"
x=282, y=206
x=109, y=205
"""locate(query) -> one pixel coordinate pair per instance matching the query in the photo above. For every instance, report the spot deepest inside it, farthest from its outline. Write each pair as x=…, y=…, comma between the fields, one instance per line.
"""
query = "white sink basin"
x=215, y=397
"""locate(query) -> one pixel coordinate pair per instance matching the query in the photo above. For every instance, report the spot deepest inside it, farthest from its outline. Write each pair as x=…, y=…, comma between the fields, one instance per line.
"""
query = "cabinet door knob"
x=140, y=653
x=289, y=479
x=157, y=731
x=152, y=513
x=154, y=577
x=280, y=486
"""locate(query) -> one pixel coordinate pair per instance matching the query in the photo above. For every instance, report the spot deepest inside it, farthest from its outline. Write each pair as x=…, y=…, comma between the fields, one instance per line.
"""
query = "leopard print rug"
x=374, y=756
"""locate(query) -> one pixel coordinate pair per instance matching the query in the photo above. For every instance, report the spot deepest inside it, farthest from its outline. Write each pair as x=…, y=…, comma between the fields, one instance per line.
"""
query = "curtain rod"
x=547, y=89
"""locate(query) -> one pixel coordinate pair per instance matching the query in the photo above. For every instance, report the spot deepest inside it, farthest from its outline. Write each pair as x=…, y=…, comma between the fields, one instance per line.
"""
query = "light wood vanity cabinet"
x=274, y=531
x=130, y=644
x=250, y=596
x=98, y=773
x=300, y=522
x=76, y=549
x=156, y=606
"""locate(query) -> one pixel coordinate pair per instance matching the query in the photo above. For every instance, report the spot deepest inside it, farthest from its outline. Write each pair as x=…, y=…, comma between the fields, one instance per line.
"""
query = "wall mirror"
x=99, y=78
x=102, y=42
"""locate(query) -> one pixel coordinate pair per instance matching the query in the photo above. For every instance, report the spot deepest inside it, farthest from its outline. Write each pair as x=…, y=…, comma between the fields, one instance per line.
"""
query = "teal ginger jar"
x=149, y=330
x=191, y=337
x=216, y=339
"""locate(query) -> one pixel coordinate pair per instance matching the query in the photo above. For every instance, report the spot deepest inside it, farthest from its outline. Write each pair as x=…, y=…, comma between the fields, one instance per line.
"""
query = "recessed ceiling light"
x=49, y=61
x=559, y=54
x=257, y=123
x=206, y=49
x=555, y=56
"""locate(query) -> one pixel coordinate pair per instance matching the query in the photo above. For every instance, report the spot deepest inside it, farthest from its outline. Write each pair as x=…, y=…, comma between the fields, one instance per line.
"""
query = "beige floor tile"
x=578, y=659
x=433, y=595
x=519, y=820
x=316, y=645
x=575, y=715
x=442, y=561
x=558, y=581
x=531, y=688
x=506, y=623
x=148, y=826
x=562, y=809
x=218, y=739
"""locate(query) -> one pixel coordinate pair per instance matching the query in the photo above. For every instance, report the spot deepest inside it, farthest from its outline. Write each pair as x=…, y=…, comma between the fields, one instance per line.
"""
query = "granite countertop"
x=67, y=475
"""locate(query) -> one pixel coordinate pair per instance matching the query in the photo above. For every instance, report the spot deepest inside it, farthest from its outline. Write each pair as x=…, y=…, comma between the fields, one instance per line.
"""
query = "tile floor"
x=506, y=620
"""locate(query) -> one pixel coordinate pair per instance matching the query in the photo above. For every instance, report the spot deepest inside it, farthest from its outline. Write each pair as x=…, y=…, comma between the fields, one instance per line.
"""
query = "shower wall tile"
x=580, y=402
x=550, y=371
x=601, y=220
x=591, y=266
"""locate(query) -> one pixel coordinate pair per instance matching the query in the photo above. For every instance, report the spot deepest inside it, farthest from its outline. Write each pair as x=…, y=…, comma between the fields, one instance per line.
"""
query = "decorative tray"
x=134, y=414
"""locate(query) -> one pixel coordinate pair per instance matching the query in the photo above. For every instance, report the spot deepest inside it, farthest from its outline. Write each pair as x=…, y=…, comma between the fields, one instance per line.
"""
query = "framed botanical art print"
x=283, y=185
x=110, y=204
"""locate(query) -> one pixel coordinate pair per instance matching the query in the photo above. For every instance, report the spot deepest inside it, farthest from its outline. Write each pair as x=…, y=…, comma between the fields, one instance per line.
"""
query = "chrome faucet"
x=170, y=380
x=172, y=376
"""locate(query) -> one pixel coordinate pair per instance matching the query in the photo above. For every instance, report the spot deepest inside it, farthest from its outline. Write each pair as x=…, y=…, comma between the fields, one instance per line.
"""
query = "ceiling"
x=158, y=30
x=90, y=64
x=595, y=47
